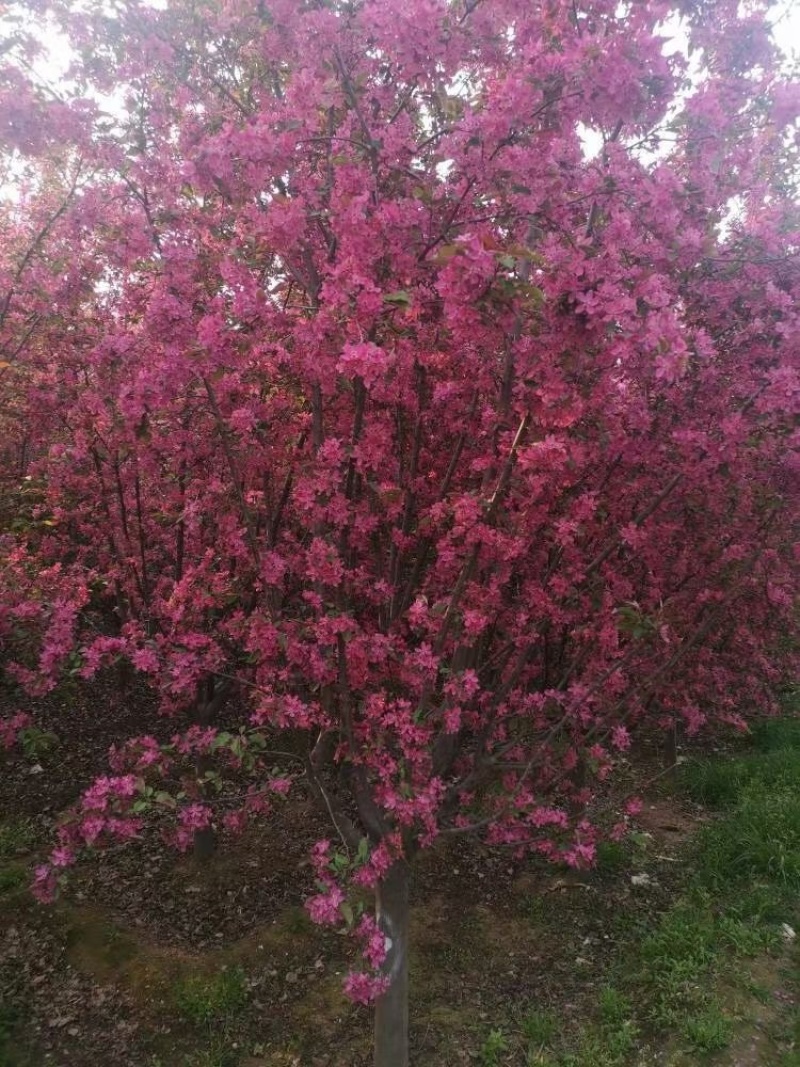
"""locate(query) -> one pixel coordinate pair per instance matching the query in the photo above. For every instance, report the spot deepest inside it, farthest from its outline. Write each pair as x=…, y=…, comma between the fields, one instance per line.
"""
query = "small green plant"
x=677, y=957
x=710, y=1031
x=37, y=744
x=746, y=937
x=12, y=876
x=603, y=1047
x=17, y=836
x=614, y=1006
x=612, y=856
x=537, y=909
x=211, y=1000
x=538, y=1027
x=492, y=1049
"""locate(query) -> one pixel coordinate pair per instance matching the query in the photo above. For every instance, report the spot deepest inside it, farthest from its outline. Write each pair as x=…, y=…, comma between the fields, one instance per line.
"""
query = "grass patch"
x=675, y=979
x=721, y=783
x=17, y=836
x=13, y=876
x=780, y=733
x=612, y=856
x=212, y=1001
x=538, y=1028
x=760, y=841
x=493, y=1049
x=708, y=1032
x=745, y=873
x=218, y=1054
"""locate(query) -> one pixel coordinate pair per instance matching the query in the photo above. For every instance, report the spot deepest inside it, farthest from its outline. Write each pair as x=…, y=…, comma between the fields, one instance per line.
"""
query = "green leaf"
x=340, y=862
x=401, y=297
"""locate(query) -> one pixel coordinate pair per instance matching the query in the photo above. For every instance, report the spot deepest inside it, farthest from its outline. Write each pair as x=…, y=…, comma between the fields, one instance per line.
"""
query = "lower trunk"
x=204, y=843
x=205, y=839
x=391, y=1010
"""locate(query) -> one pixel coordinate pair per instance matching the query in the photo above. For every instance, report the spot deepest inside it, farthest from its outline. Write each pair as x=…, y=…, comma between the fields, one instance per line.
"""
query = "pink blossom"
x=620, y=738
x=91, y=827
x=62, y=856
x=235, y=821
x=374, y=945
x=10, y=728
x=145, y=659
x=195, y=817
x=45, y=883
x=324, y=907
x=364, y=988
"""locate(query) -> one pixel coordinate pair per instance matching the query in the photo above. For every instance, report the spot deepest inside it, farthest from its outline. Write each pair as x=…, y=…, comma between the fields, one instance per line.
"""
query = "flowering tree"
x=422, y=375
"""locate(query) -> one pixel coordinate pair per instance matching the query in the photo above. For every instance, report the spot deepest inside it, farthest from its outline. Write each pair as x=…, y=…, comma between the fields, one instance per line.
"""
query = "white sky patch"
x=51, y=67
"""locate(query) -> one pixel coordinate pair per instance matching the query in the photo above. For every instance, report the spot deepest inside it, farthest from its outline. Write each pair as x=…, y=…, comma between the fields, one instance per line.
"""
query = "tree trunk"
x=204, y=843
x=391, y=1010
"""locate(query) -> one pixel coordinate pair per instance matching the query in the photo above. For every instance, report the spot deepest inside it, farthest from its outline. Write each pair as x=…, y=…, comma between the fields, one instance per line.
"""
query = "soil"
x=98, y=977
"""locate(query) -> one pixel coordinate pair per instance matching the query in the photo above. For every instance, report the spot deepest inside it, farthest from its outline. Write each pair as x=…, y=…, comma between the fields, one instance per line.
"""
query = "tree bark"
x=391, y=1010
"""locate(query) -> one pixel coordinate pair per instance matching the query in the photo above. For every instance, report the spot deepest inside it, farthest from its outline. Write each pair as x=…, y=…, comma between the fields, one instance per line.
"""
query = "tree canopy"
x=422, y=378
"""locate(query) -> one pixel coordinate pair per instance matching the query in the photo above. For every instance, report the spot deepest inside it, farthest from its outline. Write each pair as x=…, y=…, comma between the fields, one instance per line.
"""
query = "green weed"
x=492, y=1049
x=612, y=856
x=538, y=1027
x=677, y=956
x=710, y=1031
x=38, y=744
x=614, y=1006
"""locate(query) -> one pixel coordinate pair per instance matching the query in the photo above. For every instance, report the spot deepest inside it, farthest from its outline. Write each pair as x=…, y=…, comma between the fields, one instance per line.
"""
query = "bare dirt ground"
x=115, y=971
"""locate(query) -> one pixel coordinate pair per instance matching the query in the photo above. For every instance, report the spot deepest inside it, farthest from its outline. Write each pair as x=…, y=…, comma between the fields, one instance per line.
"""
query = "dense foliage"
x=417, y=379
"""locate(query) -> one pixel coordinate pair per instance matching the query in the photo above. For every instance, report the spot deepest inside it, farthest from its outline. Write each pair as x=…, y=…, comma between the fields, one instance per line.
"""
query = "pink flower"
x=365, y=988
x=44, y=885
x=62, y=856
x=10, y=728
x=324, y=907
x=195, y=817
x=620, y=738
x=374, y=947
x=91, y=827
x=146, y=660
x=370, y=362
x=235, y=821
